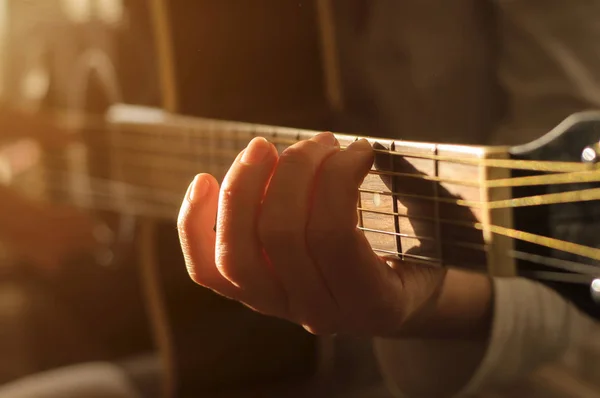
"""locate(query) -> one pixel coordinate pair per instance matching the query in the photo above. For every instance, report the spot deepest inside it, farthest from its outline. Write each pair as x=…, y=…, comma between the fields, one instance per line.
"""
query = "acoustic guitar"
x=528, y=211
x=80, y=57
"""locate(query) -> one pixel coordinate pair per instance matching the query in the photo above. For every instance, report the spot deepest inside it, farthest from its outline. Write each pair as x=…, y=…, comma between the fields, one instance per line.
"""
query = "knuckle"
x=227, y=261
x=334, y=167
x=304, y=154
x=195, y=272
x=234, y=189
x=341, y=172
x=195, y=276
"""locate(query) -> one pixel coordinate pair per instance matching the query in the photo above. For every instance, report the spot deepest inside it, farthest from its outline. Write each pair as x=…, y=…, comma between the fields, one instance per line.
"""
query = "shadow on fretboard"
x=430, y=224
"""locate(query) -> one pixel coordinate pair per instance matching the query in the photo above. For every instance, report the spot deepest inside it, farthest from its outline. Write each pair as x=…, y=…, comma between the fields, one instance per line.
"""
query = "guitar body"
x=230, y=63
x=84, y=62
x=206, y=342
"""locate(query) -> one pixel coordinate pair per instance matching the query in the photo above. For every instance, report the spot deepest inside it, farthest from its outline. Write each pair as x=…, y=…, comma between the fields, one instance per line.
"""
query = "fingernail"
x=360, y=145
x=258, y=149
x=197, y=189
x=327, y=139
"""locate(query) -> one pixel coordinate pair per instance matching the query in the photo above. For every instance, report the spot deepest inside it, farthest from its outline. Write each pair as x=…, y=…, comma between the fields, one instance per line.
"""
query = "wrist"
x=461, y=309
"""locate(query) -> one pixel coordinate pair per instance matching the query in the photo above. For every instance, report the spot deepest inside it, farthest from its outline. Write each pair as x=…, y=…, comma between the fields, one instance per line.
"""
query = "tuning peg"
x=595, y=290
x=591, y=154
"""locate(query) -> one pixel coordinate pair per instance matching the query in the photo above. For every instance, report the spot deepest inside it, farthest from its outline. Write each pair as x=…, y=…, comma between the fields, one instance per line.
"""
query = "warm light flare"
x=110, y=11
x=78, y=11
x=36, y=83
x=82, y=11
x=17, y=158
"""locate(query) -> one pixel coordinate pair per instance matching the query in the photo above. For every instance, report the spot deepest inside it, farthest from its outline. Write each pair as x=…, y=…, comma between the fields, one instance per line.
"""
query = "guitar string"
x=466, y=245
x=569, y=266
x=559, y=178
x=577, y=196
x=536, y=200
x=197, y=127
x=272, y=132
x=56, y=175
x=541, y=199
x=539, y=166
x=176, y=202
x=581, y=195
x=558, y=277
x=581, y=273
x=192, y=128
x=142, y=158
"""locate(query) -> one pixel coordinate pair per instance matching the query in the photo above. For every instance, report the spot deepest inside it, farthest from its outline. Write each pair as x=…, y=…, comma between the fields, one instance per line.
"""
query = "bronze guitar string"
x=569, y=173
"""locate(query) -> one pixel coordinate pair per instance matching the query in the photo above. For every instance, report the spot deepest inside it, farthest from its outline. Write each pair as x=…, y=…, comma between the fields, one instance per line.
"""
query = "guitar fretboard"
x=423, y=202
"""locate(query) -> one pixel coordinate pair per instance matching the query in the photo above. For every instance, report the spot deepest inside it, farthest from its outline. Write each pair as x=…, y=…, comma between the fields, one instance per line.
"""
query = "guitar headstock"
x=573, y=140
x=566, y=211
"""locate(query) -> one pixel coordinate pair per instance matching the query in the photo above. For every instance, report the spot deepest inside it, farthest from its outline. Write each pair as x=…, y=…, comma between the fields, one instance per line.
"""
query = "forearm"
x=462, y=310
x=531, y=325
x=438, y=352
x=425, y=368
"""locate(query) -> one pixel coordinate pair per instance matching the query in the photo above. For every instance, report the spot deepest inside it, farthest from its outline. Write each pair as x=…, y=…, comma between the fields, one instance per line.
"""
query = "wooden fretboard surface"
x=420, y=201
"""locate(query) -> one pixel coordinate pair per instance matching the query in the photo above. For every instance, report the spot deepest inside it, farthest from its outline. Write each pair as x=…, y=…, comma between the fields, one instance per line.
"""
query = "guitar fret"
x=409, y=231
x=190, y=143
x=283, y=138
x=253, y=134
x=361, y=222
x=436, y=208
x=220, y=162
x=212, y=144
x=371, y=198
x=395, y=202
x=149, y=175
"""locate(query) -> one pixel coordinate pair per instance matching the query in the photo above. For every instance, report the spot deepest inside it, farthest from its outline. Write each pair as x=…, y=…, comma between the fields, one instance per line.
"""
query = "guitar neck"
x=423, y=202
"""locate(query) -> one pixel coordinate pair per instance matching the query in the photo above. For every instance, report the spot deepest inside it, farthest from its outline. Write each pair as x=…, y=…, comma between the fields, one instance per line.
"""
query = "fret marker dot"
x=377, y=200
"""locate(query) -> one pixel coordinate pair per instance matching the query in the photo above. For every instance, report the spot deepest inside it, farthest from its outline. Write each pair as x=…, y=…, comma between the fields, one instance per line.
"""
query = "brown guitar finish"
x=232, y=61
x=256, y=61
x=52, y=61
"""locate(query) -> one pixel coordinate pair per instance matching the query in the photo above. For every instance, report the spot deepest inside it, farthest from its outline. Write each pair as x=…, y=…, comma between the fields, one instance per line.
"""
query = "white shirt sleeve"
x=532, y=325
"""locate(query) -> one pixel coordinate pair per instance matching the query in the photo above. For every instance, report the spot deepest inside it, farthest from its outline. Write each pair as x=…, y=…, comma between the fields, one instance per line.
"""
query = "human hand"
x=287, y=243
